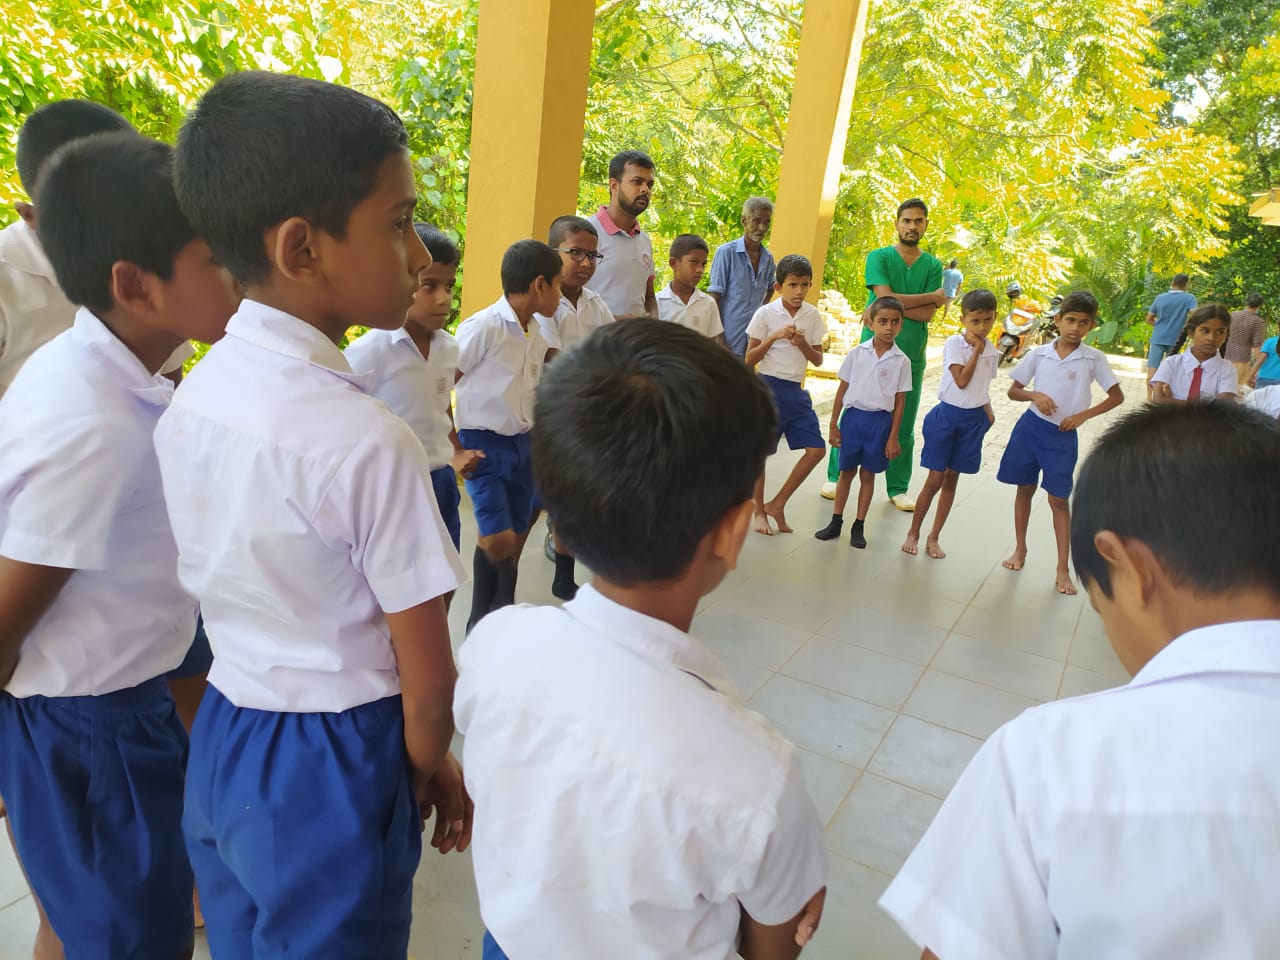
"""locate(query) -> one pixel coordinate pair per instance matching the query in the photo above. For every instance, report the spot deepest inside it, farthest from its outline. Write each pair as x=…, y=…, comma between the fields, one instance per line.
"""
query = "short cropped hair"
x=260, y=148
x=633, y=504
x=754, y=204
x=634, y=157
x=915, y=203
x=685, y=244
x=978, y=299
x=56, y=124
x=564, y=227
x=880, y=304
x=524, y=262
x=1079, y=301
x=793, y=265
x=103, y=199
x=1253, y=301
x=1169, y=453
x=439, y=244
x=1180, y=280
x=954, y=263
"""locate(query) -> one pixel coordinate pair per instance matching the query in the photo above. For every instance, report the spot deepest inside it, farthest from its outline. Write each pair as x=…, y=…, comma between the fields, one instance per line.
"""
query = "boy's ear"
x=730, y=533
x=293, y=247
x=134, y=289
x=1134, y=570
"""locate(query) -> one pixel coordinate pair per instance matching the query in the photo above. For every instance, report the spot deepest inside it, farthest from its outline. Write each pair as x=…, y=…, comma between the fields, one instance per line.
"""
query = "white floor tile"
x=923, y=755
x=829, y=781
x=999, y=665
x=853, y=671
x=880, y=823
x=962, y=705
x=835, y=726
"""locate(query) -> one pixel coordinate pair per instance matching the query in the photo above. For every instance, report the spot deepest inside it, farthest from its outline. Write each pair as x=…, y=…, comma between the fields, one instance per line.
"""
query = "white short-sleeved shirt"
x=1219, y=376
x=602, y=827
x=1069, y=382
x=572, y=322
x=80, y=489
x=501, y=363
x=33, y=309
x=303, y=509
x=1267, y=399
x=622, y=277
x=700, y=313
x=416, y=388
x=875, y=380
x=784, y=359
x=978, y=392
x=1142, y=821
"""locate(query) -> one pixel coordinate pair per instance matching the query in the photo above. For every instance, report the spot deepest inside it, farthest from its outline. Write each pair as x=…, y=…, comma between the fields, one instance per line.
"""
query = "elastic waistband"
x=959, y=411
x=481, y=437
x=869, y=413
x=781, y=382
x=146, y=693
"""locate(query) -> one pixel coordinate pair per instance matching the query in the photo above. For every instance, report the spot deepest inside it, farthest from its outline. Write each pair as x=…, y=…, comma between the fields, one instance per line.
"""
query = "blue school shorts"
x=445, y=484
x=863, y=435
x=490, y=949
x=953, y=438
x=1037, y=446
x=303, y=831
x=501, y=486
x=797, y=419
x=94, y=790
x=199, y=656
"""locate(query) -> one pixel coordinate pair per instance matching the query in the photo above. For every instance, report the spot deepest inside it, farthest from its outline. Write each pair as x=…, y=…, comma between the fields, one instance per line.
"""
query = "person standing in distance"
x=742, y=273
x=952, y=279
x=624, y=276
x=1167, y=316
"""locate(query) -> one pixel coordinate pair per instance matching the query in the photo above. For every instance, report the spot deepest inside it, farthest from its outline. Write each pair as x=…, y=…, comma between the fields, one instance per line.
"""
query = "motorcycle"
x=1026, y=325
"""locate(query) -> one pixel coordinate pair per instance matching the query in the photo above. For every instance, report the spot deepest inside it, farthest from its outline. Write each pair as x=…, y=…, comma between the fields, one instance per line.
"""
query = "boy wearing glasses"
x=581, y=310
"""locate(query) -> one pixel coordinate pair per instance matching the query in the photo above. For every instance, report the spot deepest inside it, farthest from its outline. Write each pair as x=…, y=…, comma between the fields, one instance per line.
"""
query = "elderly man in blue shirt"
x=742, y=273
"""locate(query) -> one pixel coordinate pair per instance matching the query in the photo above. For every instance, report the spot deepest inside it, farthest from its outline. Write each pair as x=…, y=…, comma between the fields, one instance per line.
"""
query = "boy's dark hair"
x=1180, y=280
x=106, y=198
x=1079, y=301
x=1145, y=480
x=1253, y=301
x=979, y=299
x=260, y=148
x=55, y=125
x=685, y=244
x=793, y=265
x=953, y=264
x=634, y=157
x=439, y=244
x=1198, y=316
x=564, y=227
x=914, y=203
x=880, y=304
x=633, y=504
x=524, y=262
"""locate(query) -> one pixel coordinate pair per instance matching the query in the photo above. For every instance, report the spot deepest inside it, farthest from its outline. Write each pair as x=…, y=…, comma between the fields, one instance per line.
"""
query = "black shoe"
x=832, y=529
x=856, y=539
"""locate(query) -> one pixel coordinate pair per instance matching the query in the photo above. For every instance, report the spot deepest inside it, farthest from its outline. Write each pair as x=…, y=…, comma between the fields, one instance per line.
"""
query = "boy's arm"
x=991, y=414
x=1113, y=399
x=27, y=591
x=837, y=407
x=963, y=373
x=812, y=351
x=785, y=940
x=756, y=349
x=464, y=460
x=893, y=448
x=650, y=299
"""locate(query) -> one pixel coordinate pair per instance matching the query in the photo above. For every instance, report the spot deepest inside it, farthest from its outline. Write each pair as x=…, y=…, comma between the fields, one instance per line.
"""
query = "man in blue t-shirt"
x=1167, y=316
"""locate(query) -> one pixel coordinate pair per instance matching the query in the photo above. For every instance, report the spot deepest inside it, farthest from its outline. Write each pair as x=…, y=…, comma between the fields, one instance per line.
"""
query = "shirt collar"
x=285, y=334
x=606, y=221
x=1246, y=646
x=648, y=637
x=126, y=369
x=20, y=246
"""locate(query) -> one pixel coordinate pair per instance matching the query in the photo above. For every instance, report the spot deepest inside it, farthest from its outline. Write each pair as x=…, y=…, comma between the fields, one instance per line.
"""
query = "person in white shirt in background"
x=603, y=827
x=1199, y=373
x=1140, y=822
x=1266, y=400
x=954, y=428
x=411, y=370
x=680, y=301
x=92, y=613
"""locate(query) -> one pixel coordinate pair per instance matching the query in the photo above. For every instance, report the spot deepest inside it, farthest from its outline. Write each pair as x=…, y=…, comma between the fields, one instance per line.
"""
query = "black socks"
x=563, y=586
x=504, y=592
x=832, y=529
x=856, y=539
x=493, y=585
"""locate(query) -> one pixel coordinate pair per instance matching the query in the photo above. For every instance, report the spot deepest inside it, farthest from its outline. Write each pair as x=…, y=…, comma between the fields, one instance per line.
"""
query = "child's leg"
x=932, y=484
x=47, y=945
x=843, y=485
x=866, y=487
x=945, y=500
x=760, y=519
x=1061, y=510
x=1021, y=517
x=775, y=508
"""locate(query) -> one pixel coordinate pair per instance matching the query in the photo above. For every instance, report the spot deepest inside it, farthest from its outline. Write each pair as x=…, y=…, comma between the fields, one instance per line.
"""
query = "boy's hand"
x=464, y=462
x=1044, y=403
x=811, y=917
x=1072, y=422
x=991, y=419
x=786, y=333
x=972, y=339
x=893, y=449
x=1162, y=390
x=1253, y=381
x=833, y=435
x=445, y=795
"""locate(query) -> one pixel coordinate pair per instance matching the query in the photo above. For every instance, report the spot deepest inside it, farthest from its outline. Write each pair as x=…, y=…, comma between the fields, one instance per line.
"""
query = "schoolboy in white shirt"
x=680, y=301
x=501, y=352
x=783, y=338
x=1141, y=821
x=954, y=429
x=1044, y=440
x=1199, y=373
x=411, y=370
x=875, y=379
x=679, y=846
x=581, y=309
x=92, y=615
x=307, y=528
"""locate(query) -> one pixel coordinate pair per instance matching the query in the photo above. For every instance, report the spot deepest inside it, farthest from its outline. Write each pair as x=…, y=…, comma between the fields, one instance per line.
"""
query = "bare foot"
x=770, y=510
x=1016, y=560
x=911, y=544
x=761, y=524
x=932, y=549
x=1064, y=584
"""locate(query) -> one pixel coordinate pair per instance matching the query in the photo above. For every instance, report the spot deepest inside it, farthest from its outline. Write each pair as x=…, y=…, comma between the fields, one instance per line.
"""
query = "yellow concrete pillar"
x=817, y=127
x=533, y=63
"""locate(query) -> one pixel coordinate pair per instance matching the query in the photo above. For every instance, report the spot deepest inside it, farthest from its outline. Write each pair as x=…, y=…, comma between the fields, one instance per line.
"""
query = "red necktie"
x=1194, y=393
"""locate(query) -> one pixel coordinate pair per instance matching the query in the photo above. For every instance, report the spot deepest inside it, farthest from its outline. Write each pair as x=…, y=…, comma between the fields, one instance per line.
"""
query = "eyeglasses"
x=578, y=255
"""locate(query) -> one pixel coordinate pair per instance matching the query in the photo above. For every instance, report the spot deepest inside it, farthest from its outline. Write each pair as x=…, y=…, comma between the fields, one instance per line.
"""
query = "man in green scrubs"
x=905, y=271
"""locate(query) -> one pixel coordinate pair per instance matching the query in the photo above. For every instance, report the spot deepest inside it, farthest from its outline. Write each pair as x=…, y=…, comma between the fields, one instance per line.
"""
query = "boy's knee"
x=950, y=479
x=499, y=546
x=1059, y=504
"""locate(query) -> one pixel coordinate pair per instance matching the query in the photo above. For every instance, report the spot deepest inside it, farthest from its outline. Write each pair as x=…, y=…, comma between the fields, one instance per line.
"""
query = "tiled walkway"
x=886, y=670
